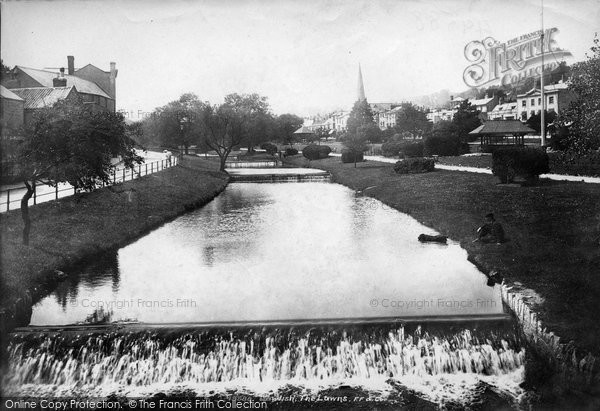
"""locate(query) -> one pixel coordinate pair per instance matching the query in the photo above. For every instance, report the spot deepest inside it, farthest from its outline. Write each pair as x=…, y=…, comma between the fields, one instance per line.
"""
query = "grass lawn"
x=70, y=229
x=553, y=232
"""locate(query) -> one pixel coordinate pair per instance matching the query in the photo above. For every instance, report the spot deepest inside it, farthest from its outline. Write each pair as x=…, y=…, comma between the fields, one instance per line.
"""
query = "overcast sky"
x=303, y=55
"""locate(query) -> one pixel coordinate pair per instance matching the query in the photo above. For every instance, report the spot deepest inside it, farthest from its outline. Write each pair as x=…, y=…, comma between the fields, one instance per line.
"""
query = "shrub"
x=444, y=145
x=407, y=148
x=314, y=152
x=391, y=148
x=351, y=156
x=269, y=148
x=414, y=165
x=576, y=164
x=524, y=162
x=413, y=149
x=291, y=151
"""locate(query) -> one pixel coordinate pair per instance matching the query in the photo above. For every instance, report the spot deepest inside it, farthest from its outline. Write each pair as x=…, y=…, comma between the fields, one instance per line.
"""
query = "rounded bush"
x=269, y=148
x=315, y=152
x=414, y=165
x=391, y=148
x=444, y=145
x=351, y=156
x=291, y=151
x=525, y=162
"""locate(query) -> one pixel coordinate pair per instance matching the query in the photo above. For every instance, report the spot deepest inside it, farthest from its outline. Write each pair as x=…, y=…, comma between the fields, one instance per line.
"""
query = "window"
x=533, y=102
x=539, y=100
x=524, y=103
x=551, y=100
x=523, y=115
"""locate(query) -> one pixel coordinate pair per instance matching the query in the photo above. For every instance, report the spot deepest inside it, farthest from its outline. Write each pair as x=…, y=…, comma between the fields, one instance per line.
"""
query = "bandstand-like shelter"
x=502, y=133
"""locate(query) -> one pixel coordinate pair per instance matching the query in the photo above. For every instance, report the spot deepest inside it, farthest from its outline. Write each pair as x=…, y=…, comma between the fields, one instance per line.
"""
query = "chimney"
x=451, y=98
x=60, y=80
x=71, y=61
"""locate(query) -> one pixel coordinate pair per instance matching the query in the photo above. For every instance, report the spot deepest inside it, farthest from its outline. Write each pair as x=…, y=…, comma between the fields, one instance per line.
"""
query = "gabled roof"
x=303, y=130
x=40, y=97
x=45, y=78
x=548, y=88
x=502, y=127
x=9, y=95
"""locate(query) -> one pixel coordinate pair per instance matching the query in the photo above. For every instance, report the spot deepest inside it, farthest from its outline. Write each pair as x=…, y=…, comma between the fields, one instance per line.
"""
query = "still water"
x=277, y=252
x=220, y=293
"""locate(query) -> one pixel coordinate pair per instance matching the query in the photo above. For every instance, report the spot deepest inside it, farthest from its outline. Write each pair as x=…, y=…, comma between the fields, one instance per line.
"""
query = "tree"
x=583, y=115
x=175, y=124
x=222, y=128
x=68, y=143
x=357, y=142
x=535, y=121
x=361, y=115
x=466, y=119
x=413, y=120
x=258, y=120
x=286, y=125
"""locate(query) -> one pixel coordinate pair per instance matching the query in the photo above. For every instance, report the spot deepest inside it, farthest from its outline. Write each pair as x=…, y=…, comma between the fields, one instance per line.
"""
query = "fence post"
x=123, y=174
x=34, y=193
x=56, y=192
x=8, y=200
x=151, y=168
x=115, y=176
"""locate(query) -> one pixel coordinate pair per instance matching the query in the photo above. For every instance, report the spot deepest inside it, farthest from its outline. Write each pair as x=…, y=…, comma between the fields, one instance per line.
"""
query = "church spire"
x=361, y=87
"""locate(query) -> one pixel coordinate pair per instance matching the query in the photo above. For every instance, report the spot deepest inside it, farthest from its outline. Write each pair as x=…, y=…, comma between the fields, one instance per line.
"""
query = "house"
x=97, y=88
x=484, y=105
x=557, y=96
x=36, y=98
x=388, y=118
x=12, y=112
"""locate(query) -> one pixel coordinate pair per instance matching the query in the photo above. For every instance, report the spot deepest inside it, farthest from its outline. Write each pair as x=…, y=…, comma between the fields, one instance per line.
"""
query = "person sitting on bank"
x=491, y=231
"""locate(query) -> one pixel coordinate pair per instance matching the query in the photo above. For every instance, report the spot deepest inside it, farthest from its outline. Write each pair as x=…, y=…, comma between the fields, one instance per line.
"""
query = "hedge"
x=524, y=162
x=315, y=152
x=444, y=145
x=414, y=165
x=351, y=156
x=269, y=148
x=402, y=148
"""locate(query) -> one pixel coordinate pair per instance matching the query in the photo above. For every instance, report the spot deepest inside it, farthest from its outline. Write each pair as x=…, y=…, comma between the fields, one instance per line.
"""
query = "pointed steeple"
x=361, y=88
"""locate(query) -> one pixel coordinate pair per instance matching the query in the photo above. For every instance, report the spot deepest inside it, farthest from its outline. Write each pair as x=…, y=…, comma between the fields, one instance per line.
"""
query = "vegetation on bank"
x=553, y=232
x=73, y=228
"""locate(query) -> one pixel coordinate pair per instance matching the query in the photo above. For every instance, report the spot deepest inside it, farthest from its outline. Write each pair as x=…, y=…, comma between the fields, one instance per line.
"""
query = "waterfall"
x=255, y=358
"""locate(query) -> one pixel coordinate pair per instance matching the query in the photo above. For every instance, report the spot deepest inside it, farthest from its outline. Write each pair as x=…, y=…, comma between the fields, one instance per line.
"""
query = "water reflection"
x=262, y=252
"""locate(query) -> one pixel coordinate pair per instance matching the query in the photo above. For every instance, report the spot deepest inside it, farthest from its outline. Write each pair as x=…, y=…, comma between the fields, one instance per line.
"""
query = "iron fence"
x=11, y=198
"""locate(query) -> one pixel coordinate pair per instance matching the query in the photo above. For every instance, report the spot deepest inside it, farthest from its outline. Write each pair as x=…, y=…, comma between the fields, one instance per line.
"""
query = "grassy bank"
x=70, y=229
x=553, y=232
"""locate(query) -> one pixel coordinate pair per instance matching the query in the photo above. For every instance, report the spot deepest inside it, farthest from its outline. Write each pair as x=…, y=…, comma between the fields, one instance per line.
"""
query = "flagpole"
x=542, y=112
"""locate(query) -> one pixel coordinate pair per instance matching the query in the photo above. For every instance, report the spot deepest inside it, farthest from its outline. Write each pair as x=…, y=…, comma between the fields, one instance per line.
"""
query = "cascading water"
x=437, y=367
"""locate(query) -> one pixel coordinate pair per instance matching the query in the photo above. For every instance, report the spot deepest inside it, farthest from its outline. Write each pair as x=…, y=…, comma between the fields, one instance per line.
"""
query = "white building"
x=557, y=96
x=505, y=111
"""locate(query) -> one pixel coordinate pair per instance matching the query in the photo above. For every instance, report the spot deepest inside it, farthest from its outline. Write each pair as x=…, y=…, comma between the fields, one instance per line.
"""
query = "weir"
x=283, y=288
x=278, y=175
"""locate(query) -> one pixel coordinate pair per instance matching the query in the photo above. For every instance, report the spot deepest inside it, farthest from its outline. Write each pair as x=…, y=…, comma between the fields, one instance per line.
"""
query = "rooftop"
x=502, y=127
x=45, y=78
x=7, y=94
x=40, y=97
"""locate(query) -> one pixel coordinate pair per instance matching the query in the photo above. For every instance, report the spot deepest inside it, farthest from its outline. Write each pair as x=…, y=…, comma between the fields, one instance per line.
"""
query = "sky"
x=302, y=55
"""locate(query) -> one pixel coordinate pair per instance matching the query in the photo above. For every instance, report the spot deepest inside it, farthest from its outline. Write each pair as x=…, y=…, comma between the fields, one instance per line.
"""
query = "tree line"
x=241, y=120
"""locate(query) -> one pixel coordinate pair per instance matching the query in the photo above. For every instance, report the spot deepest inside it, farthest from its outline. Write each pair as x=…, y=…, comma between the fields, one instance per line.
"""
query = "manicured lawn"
x=553, y=232
x=69, y=229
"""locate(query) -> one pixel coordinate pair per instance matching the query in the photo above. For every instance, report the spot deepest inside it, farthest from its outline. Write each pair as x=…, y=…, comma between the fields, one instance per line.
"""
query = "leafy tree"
x=68, y=143
x=466, y=119
x=175, y=124
x=413, y=120
x=258, y=123
x=535, y=121
x=361, y=115
x=222, y=128
x=583, y=115
x=357, y=142
x=286, y=125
